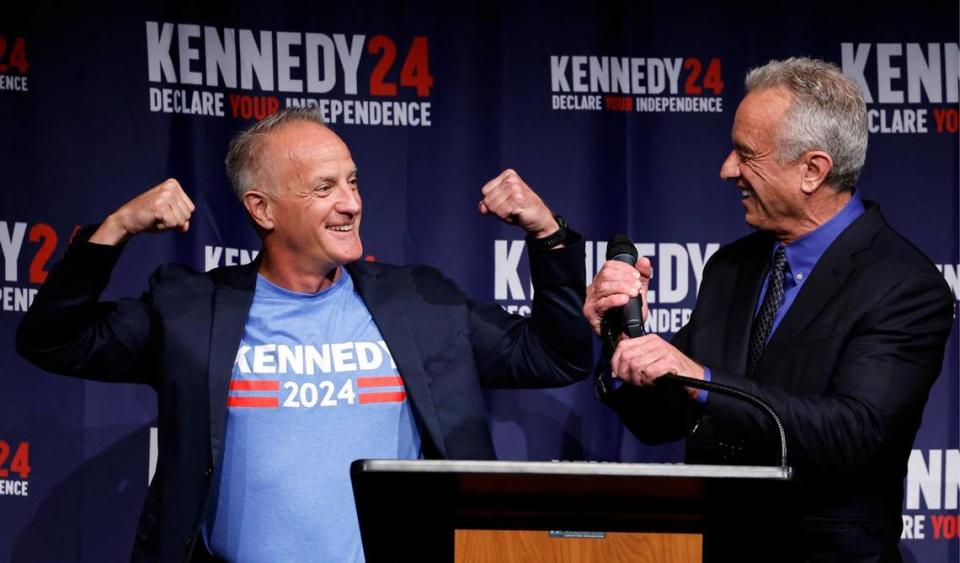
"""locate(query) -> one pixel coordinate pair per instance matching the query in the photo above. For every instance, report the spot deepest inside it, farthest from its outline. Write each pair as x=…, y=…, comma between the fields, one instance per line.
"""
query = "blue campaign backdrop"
x=618, y=114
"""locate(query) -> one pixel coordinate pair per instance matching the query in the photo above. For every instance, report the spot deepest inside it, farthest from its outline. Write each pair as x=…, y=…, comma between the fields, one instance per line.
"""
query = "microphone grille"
x=621, y=244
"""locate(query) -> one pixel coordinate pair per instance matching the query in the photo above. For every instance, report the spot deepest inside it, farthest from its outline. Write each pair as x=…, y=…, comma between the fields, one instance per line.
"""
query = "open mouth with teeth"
x=341, y=228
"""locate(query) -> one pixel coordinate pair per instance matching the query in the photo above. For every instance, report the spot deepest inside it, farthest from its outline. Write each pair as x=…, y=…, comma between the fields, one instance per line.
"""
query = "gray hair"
x=827, y=113
x=243, y=156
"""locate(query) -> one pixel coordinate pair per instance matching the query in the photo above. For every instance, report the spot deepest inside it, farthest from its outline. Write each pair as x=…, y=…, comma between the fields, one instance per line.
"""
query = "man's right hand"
x=163, y=207
x=613, y=286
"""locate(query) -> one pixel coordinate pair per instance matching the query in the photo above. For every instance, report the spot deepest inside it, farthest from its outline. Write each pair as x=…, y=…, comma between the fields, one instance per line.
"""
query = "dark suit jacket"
x=848, y=370
x=182, y=335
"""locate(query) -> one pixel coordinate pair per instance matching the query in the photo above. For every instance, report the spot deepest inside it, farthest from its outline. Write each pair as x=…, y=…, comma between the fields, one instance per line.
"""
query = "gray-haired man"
x=826, y=313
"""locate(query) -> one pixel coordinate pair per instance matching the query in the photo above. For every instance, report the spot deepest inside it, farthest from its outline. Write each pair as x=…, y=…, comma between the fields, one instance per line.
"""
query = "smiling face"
x=772, y=193
x=311, y=199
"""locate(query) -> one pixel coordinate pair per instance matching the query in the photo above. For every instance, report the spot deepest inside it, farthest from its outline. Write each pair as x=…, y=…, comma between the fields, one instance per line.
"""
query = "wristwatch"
x=556, y=239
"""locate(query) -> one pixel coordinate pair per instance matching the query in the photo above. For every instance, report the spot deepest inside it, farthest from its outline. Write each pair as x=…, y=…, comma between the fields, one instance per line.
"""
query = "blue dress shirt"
x=802, y=255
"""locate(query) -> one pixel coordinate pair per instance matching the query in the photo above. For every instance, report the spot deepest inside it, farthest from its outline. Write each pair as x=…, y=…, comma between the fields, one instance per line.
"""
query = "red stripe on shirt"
x=255, y=385
x=388, y=397
x=380, y=381
x=271, y=402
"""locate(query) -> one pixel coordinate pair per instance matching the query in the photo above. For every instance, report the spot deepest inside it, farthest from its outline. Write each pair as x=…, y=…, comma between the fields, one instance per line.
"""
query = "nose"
x=730, y=169
x=349, y=201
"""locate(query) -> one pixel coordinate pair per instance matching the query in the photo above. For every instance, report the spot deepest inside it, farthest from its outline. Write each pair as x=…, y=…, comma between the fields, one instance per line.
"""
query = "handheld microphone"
x=622, y=249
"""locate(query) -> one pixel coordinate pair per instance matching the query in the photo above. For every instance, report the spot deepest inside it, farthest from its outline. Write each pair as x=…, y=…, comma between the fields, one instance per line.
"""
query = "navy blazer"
x=848, y=370
x=182, y=335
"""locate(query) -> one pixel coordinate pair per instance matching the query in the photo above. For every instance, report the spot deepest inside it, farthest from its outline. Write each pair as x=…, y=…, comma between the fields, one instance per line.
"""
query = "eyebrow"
x=333, y=179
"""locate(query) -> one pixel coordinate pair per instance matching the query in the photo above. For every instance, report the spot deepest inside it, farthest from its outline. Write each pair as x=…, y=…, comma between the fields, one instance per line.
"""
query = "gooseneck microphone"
x=622, y=249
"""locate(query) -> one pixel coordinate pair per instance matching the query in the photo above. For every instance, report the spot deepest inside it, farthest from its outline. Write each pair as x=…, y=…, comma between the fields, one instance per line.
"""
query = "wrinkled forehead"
x=760, y=113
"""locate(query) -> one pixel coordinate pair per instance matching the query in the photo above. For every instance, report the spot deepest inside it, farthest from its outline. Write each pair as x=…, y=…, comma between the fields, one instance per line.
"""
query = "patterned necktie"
x=763, y=323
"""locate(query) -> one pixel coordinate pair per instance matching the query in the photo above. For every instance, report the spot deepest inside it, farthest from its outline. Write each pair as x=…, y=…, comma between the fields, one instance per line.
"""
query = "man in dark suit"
x=272, y=377
x=826, y=312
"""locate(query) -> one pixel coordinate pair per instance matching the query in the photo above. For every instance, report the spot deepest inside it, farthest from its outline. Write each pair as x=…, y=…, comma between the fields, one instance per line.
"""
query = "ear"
x=258, y=207
x=816, y=167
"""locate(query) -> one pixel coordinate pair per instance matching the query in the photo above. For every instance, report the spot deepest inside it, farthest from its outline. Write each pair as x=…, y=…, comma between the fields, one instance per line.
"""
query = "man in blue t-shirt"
x=272, y=377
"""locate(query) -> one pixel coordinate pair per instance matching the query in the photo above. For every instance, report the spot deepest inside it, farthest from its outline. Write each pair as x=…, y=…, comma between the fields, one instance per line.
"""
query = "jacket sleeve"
x=67, y=330
x=554, y=346
x=655, y=415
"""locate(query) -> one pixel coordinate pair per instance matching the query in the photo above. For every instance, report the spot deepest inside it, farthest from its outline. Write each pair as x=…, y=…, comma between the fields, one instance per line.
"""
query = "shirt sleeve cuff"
x=703, y=393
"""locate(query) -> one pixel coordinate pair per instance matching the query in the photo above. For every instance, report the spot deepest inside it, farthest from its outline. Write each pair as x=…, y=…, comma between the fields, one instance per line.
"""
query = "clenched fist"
x=510, y=198
x=163, y=207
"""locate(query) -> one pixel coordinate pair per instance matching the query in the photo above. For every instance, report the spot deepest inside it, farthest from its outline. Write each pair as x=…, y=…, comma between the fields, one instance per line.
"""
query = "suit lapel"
x=231, y=305
x=825, y=281
x=386, y=307
x=746, y=294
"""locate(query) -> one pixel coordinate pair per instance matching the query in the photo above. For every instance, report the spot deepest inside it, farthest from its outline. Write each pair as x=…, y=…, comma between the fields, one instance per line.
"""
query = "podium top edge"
x=604, y=469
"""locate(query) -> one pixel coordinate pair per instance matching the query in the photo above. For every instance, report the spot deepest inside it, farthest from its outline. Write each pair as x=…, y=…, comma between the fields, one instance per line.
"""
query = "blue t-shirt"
x=314, y=387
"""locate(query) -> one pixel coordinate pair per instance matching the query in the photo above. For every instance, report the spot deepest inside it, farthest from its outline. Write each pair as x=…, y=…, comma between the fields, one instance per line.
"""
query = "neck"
x=823, y=204
x=286, y=274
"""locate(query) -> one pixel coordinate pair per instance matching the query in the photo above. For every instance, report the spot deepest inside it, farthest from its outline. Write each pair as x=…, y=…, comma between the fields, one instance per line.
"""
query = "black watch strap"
x=554, y=240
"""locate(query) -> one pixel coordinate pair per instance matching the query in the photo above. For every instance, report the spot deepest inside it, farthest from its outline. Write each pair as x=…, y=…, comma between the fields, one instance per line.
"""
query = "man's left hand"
x=643, y=360
x=510, y=198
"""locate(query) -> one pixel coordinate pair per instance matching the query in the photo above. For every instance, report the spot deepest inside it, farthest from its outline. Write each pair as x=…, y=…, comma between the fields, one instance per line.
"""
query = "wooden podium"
x=480, y=511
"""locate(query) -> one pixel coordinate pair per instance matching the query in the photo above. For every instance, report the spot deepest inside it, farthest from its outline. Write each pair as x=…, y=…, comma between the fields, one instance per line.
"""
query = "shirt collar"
x=803, y=253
